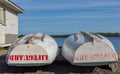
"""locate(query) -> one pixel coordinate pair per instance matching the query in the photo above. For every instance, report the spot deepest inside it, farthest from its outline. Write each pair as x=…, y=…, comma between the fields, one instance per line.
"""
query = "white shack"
x=8, y=21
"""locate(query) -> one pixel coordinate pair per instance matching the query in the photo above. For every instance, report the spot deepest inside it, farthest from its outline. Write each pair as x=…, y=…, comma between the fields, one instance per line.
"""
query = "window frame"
x=4, y=17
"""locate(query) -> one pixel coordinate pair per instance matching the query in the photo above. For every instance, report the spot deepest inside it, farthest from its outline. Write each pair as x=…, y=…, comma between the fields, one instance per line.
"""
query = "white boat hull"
x=37, y=53
x=82, y=52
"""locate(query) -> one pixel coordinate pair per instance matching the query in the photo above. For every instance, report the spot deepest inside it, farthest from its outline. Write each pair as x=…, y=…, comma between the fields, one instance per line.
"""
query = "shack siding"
x=11, y=23
x=10, y=27
x=2, y=32
x=9, y=38
x=2, y=36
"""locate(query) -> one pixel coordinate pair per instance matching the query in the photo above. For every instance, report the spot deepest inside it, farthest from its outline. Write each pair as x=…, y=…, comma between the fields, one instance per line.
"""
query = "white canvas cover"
x=88, y=49
x=32, y=50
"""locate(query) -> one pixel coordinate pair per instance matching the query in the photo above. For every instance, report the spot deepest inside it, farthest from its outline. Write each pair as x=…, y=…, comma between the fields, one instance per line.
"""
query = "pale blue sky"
x=69, y=16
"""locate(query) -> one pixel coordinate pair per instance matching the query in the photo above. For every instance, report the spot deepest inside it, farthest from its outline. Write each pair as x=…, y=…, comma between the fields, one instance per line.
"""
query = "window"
x=2, y=16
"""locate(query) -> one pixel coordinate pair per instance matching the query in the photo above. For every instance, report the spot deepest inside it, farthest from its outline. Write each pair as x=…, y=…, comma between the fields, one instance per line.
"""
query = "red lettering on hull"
x=28, y=57
x=96, y=56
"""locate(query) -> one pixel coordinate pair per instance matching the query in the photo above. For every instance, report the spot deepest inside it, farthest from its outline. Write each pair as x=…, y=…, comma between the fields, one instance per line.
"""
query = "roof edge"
x=16, y=6
x=12, y=5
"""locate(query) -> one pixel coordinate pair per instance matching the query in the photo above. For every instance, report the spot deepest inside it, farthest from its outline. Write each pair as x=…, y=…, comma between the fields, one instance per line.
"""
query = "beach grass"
x=2, y=48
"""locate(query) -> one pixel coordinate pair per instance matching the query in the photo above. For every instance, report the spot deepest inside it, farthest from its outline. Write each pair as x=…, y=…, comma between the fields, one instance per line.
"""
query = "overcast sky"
x=69, y=16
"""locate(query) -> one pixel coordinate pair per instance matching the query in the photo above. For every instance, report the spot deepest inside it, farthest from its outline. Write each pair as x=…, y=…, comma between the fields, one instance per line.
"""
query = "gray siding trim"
x=9, y=38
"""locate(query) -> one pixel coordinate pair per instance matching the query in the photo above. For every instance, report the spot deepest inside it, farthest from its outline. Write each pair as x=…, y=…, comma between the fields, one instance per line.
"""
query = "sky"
x=69, y=16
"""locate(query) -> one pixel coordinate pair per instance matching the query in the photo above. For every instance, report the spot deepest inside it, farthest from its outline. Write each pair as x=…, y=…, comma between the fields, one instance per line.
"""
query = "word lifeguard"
x=28, y=57
x=94, y=56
